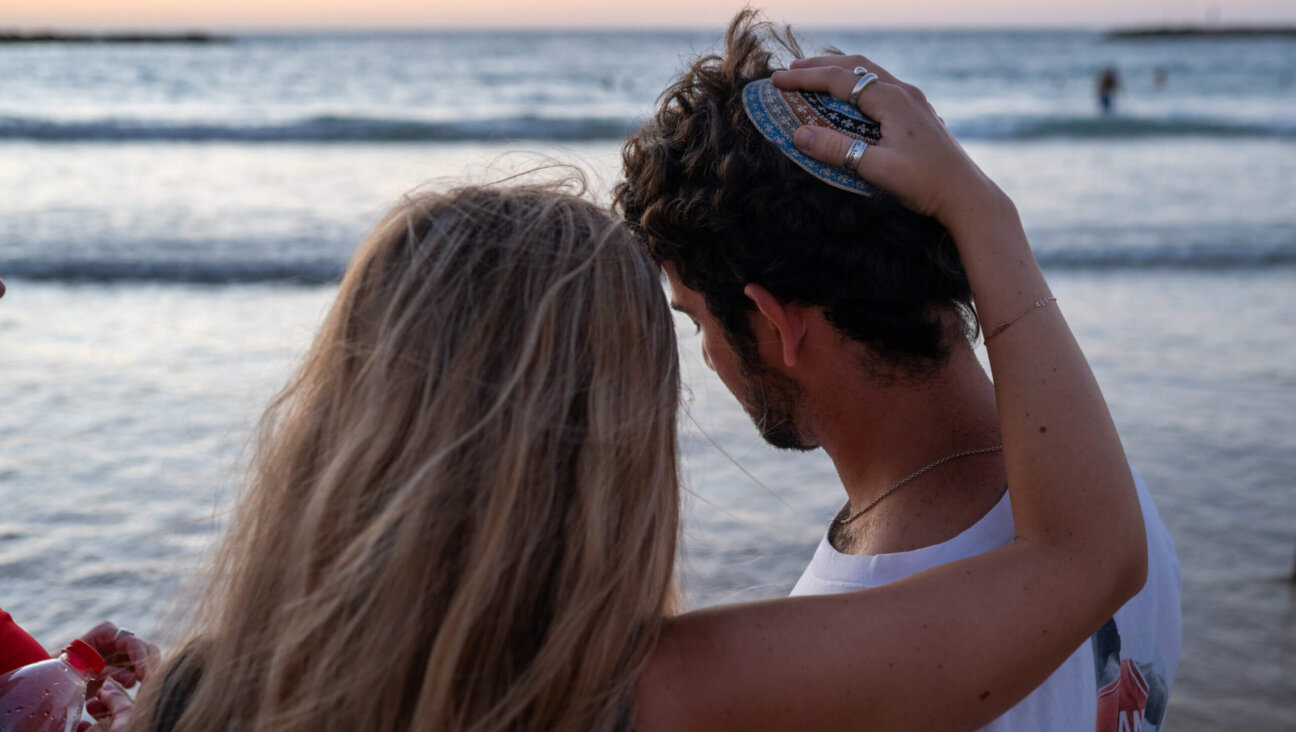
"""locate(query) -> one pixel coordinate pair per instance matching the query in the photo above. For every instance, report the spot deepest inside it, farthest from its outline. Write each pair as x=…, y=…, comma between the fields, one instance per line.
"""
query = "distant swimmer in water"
x=1108, y=85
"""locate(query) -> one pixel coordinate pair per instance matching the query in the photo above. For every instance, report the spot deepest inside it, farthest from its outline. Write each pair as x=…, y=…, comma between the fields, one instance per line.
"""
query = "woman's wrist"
x=1000, y=266
x=979, y=208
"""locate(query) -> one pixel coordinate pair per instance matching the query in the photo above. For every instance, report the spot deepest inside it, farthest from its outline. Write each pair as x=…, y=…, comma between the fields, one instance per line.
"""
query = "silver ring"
x=860, y=71
x=861, y=85
x=853, y=156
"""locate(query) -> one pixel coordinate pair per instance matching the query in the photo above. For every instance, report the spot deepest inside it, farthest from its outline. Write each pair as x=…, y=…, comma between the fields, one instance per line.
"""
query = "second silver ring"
x=853, y=156
x=860, y=85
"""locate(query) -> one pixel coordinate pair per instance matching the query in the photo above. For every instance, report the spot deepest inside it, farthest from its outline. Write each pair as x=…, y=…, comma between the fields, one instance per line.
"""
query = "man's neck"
x=878, y=436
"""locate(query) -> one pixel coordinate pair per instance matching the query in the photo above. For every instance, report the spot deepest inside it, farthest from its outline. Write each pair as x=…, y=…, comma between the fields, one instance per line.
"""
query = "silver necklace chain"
x=911, y=476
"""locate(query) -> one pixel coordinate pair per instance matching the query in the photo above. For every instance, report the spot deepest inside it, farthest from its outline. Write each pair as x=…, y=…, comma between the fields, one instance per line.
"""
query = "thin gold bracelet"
x=1004, y=326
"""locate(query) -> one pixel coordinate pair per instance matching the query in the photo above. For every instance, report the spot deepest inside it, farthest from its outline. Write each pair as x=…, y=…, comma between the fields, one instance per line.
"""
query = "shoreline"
x=1192, y=31
x=193, y=37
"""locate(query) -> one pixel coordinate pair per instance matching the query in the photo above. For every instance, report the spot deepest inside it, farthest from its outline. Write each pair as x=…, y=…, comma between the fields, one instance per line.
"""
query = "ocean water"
x=173, y=219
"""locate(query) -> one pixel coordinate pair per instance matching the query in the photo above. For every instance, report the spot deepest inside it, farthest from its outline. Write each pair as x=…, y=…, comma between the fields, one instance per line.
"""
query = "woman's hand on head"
x=917, y=160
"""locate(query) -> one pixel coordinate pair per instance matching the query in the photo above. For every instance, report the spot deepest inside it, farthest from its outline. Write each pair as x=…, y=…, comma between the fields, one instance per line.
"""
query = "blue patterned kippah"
x=778, y=114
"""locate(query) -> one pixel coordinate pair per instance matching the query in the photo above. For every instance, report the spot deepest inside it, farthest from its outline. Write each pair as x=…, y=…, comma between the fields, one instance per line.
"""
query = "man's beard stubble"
x=771, y=401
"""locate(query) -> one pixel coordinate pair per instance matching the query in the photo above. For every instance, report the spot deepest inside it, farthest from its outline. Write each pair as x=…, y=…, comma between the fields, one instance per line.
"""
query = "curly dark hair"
x=705, y=192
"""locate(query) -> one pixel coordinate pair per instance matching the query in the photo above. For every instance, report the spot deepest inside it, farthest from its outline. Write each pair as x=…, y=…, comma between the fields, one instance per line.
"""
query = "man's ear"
x=788, y=320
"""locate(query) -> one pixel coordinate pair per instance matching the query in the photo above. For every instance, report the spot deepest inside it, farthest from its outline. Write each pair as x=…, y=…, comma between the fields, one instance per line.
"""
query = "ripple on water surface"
x=132, y=407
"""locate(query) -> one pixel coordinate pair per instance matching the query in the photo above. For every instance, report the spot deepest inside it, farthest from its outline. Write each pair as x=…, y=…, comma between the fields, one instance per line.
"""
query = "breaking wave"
x=326, y=271
x=344, y=129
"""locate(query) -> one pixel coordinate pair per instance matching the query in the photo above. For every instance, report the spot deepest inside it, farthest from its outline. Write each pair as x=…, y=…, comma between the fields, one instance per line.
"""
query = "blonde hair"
x=465, y=505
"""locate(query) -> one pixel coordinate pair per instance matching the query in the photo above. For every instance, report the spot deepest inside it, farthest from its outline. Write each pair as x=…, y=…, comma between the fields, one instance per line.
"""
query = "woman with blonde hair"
x=465, y=508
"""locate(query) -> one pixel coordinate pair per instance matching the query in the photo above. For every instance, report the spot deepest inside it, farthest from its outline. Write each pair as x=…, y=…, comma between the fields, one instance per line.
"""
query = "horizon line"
x=270, y=28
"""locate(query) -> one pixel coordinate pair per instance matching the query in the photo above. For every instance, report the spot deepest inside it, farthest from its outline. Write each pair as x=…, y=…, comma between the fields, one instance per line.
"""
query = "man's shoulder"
x=1146, y=632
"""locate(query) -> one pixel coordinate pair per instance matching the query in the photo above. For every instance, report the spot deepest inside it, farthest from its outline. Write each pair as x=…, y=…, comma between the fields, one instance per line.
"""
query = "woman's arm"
x=955, y=646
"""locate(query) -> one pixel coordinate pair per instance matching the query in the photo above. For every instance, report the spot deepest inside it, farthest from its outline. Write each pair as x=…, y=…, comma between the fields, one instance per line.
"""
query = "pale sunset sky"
x=433, y=14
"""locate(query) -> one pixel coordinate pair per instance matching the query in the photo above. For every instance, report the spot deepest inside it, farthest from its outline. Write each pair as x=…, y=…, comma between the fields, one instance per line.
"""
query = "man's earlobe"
x=788, y=320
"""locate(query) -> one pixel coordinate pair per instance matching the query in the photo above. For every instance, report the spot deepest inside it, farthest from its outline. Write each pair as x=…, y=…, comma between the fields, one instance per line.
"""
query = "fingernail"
x=804, y=138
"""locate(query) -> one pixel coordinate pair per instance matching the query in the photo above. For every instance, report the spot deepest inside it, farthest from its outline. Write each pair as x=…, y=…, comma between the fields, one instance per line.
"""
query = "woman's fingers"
x=96, y=708
x=830, y=146
x=836, y=80
x=839, y=82
x=122, y=649
x=850, y=63
x=116, y=708
x=124, y=676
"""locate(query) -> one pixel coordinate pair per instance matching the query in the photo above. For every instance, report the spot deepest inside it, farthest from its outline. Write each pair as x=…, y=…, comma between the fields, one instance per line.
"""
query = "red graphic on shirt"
x=1122, y=703
x=1132, y=693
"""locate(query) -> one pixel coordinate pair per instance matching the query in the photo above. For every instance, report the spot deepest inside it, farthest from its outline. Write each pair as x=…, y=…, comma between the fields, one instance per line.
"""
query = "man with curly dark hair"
x=845, y=321
x=837, y=320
